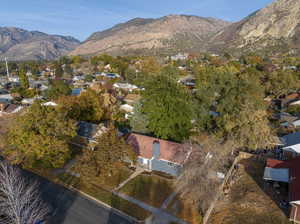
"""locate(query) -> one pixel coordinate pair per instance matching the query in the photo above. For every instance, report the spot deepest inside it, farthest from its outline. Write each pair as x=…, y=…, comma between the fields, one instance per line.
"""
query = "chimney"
x=156, y=149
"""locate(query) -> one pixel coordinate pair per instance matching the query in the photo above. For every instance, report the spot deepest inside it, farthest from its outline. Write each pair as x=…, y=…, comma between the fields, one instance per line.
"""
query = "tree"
x=102, y=162
x=40, y=138
x=23, y=79
x=211, y=157
x=139, y=121
x=20, y=200
x=279, y=83
x=68, y=70
x=58, y=70
x=88, y=78
x=87, y=107
x=168, y=108
x=58, y=88
x=237, y=98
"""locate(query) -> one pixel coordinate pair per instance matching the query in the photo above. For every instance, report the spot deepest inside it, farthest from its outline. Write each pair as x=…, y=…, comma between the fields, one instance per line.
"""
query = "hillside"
x=168, y=34
x=273, y=28
x=19, y=44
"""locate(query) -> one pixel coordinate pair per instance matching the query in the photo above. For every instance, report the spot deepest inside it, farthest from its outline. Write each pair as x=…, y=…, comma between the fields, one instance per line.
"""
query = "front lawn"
x=113, y=181
x=151, y=189
x=105, y=196
x=184, y=210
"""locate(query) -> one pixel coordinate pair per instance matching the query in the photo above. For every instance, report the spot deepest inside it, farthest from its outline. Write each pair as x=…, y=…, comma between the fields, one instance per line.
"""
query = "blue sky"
x=80, y=18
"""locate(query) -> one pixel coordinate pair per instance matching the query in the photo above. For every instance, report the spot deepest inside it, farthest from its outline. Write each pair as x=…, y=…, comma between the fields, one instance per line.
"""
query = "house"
x=128, y=109
x=131, y=99
x=125, y=86
x=88, y=132
x=289, y=99
x=287, y=172
x=6, y=98
x=50, y=104
x=188, y=81
x=109, y=75
x=6, y=109
x=159, y=155
x=297, y=102
x=286, y=119
x=179, y=56
x=291, y=145
x=76, y=91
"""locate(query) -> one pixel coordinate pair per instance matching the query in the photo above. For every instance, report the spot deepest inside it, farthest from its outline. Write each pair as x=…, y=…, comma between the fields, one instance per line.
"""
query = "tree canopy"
x=101, y=162
x=168, y=107
x=40, y=137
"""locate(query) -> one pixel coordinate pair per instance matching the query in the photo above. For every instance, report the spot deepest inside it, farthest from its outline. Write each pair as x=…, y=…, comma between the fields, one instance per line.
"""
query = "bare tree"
x=204, y=171
x=20, y=200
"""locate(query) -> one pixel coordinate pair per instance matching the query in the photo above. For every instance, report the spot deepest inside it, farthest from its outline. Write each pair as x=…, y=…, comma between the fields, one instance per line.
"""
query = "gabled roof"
x=11, y=108
x=291, y=139
x=90, y=130
x=169, y=151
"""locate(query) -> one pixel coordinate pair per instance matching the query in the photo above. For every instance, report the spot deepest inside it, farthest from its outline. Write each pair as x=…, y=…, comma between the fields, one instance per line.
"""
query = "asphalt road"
x=71, y=208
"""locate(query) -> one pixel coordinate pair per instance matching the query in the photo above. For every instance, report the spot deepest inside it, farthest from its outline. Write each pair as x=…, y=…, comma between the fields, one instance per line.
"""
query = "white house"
x=50, y=103
x=125, y=86
x=6, y=98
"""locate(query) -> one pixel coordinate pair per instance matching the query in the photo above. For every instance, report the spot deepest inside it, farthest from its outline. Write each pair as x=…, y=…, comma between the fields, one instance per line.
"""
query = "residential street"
x=72, y=208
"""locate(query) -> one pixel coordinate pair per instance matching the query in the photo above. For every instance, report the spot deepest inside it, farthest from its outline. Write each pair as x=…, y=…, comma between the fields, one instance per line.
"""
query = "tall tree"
x=86, y=107
x=58, y=88
x=168, y=107
x=23, y=79
x=58, y=70
x=40, y=138
x=102, y=161
x=237, y=101
x=139, y=121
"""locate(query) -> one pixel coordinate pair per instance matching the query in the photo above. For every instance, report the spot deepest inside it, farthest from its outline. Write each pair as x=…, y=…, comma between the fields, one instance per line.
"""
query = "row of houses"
x=286, y=171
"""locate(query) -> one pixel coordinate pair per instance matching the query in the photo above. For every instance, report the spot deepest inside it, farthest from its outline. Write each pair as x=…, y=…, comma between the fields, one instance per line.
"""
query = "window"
x=171, y=164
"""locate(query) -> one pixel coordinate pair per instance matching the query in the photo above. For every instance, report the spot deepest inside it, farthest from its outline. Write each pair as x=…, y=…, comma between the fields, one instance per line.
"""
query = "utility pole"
x=7, y=71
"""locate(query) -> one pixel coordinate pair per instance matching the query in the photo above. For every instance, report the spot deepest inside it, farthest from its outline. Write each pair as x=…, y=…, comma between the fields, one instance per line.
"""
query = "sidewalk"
x=137, y=172
x=159, y=216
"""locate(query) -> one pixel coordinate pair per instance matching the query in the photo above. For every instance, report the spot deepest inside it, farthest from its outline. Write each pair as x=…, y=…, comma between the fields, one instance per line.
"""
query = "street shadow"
x=70, y=207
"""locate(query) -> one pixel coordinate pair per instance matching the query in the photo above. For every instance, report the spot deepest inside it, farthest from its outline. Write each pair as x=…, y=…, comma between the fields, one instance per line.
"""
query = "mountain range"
x=20, y=44
x=275, y=28
x=168, y=34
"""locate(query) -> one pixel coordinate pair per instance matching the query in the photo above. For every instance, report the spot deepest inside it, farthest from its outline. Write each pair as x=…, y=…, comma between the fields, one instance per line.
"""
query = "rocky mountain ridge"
x=20, y=44
x=276, y=27
x=166, y=34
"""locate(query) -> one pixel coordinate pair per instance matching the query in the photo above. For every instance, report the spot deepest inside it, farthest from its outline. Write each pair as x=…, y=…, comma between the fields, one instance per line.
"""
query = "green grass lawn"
x=105, y=196
x=151, y=189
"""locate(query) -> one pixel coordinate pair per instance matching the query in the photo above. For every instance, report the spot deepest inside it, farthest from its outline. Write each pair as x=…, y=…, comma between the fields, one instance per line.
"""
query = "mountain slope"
x=167, y=34
x=277, y=27
x=19, y=44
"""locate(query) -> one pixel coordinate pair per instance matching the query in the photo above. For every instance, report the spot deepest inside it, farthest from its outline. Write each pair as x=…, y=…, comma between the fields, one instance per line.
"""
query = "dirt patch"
x=245, y=201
